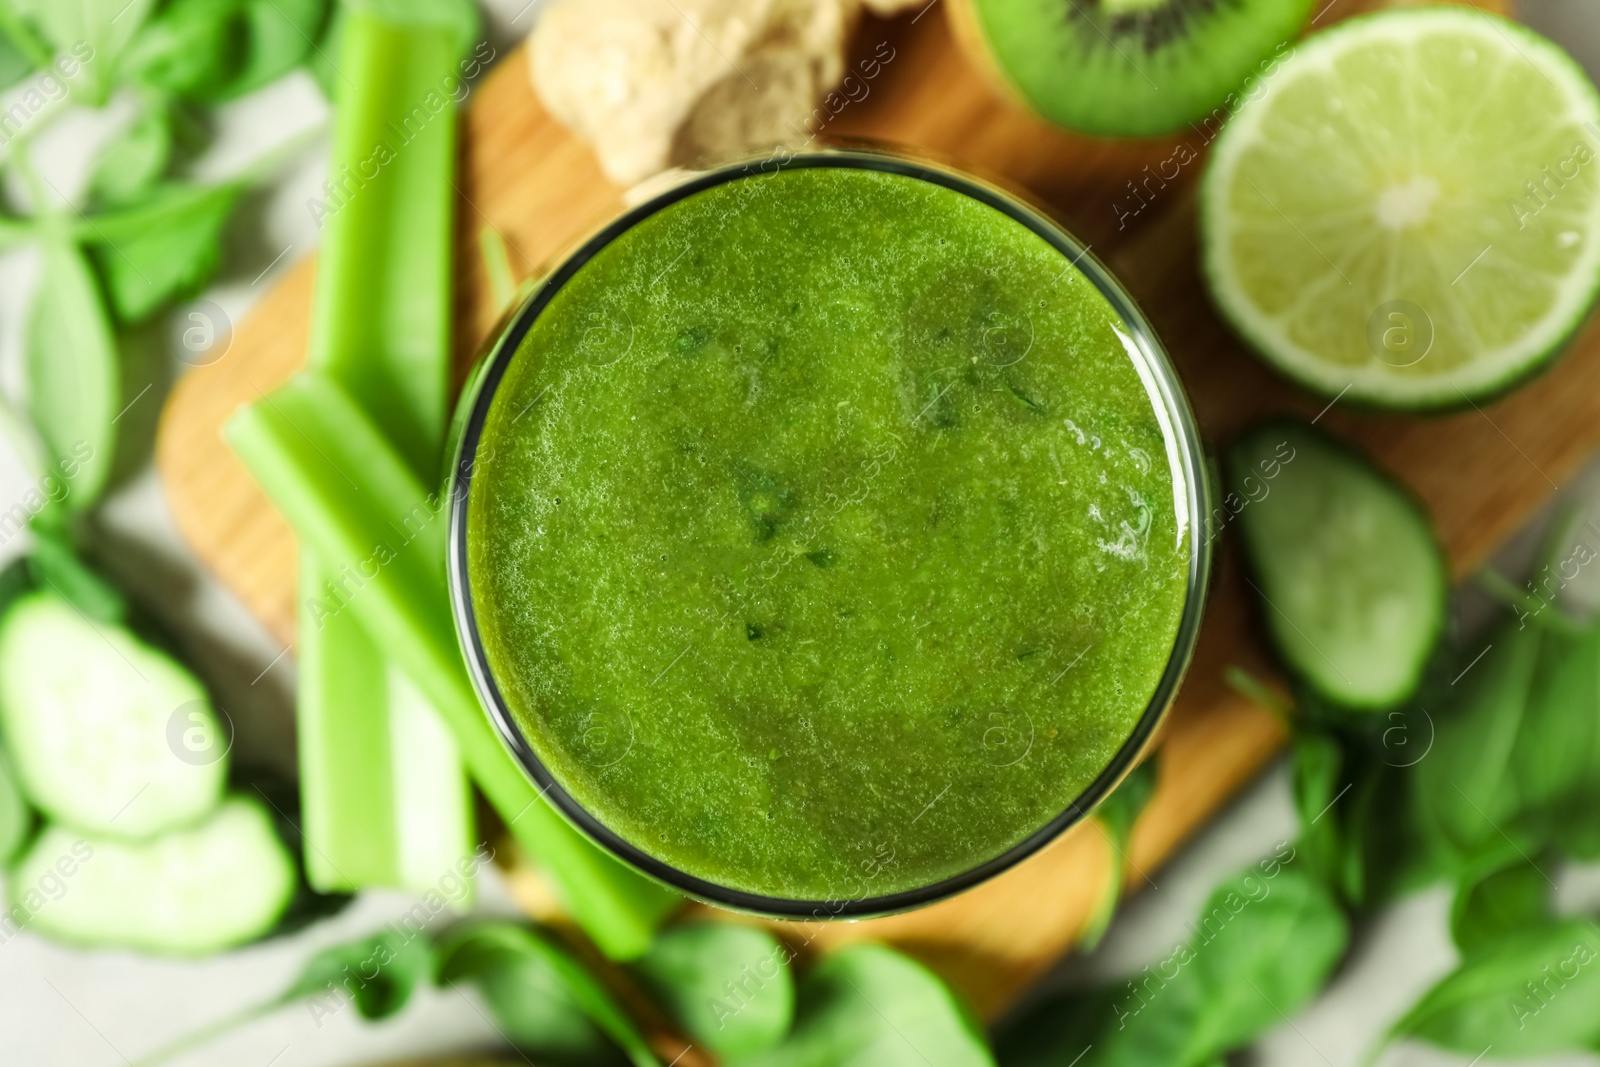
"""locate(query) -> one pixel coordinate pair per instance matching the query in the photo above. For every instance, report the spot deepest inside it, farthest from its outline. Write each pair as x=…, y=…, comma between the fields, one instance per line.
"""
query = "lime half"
x=1407, y=210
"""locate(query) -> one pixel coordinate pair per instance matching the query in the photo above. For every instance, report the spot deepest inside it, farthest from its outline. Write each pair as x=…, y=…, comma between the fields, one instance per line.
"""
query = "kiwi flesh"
x=1130, y=68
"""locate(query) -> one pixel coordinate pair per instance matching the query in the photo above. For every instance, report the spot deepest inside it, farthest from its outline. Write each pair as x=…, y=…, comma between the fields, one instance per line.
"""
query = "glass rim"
x=478, y=396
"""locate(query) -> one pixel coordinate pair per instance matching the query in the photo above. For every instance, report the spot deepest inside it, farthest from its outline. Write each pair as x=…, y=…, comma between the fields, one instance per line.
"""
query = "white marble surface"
x=59, y=1006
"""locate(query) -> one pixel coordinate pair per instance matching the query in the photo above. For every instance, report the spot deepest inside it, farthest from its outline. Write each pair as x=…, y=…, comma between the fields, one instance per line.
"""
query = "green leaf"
x=94, y=33
x=1557, y=744
x=136, y=159
x=208, y=50
x=192, y=48
x=1389, y=847
x=1468, y=784
x=537, y=1013
x=868, y=1006
x=320, y=60
x=504, y=959
x=281, y=34
x=378, y=973
x=1264, y=946
x=1108, y=1027
x=1556, y=761
x=163, y=249
x=1317, y=762
x=1119, y=811
x=1528, y=994
x=1116, y=816
x=727, y=985
x=73, y=383
x=1499, y=905
x=1516, y=763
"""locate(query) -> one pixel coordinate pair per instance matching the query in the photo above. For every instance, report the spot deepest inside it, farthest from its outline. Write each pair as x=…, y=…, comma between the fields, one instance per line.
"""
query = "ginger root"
x=652, y=84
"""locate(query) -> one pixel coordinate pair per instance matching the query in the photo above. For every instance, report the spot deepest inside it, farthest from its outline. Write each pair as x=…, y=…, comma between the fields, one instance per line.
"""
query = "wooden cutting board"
x=1481, y=472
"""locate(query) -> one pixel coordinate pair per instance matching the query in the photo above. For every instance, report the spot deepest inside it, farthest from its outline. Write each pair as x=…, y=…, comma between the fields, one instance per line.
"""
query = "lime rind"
x=1315, y=304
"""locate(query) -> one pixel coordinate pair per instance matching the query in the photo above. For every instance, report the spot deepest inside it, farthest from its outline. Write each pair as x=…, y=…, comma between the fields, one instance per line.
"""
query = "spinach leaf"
x=868, y=1006
x=1556, y=763
x=94, y=32
x=136, y=159
x=1557, y=741
x=1264, y=946
x=535, y=1011
x=73, y=385
x=378, y=973
x=1318, y=763
x=162, y=249
x=1467, y=787
x=207, y=50
x=192, y=48
x=320, y=61
x=1108, y=1027
x=728, y=986
x=1116, y=816
x=1531, y=993
x=1516, y=762
x=506, y=960
x=1498, y=905
x=1390, y=847
x=280, y=35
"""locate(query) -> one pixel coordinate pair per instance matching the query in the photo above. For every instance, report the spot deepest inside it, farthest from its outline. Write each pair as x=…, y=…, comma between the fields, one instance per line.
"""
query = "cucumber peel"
x=1353, y=582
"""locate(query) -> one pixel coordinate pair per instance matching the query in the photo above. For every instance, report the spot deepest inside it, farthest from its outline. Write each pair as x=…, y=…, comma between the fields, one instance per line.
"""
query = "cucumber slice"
x=108, y=735
x=187, y=892
x=1354, y=583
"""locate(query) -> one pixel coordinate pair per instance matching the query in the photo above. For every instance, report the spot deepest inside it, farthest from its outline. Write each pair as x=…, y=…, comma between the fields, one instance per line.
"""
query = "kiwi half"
x=1129, y=68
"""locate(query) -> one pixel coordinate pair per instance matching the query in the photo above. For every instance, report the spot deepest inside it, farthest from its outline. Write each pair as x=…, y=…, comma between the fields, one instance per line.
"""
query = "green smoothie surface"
x=824, y=537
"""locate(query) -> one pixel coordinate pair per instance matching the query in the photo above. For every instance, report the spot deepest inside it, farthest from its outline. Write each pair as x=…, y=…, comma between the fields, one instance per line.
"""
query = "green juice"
x=826, y=535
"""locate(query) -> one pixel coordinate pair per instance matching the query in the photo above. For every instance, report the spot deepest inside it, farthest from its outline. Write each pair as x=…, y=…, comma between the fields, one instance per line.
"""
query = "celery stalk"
x=351, y=498
x=380, y=324
x=346, y=791
x=385, y=798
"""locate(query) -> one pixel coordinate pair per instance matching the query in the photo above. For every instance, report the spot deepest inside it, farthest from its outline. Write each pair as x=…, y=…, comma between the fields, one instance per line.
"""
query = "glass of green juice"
x=827, y=533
